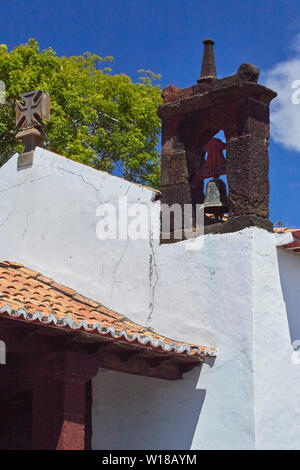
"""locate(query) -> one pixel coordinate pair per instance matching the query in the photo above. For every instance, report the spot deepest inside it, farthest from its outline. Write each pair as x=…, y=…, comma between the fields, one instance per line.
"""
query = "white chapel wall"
x=48, y=222
x=215, y=296
x=289, y=270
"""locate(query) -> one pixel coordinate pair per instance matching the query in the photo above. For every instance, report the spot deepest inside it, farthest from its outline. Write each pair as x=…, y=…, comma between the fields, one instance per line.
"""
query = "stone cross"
x=30, y=117
x=34, y=111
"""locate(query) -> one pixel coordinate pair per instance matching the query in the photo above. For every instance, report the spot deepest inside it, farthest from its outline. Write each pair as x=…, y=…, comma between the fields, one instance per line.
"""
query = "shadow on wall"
x=133, y=412
x=289, y=271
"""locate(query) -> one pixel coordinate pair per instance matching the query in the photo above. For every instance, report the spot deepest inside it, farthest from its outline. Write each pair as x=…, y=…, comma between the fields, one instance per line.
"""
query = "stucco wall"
x=145, y=413
x=276, y=379
x=226, y=294
x=48, y=222
x=289, y=269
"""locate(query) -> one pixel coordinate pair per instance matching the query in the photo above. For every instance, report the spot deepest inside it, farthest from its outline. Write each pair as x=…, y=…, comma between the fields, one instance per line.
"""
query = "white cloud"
x=284, y=78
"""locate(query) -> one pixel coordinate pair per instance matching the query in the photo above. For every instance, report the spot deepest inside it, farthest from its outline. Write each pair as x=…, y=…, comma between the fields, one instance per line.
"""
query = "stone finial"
x=248, y=72
x=208, y=69
x=30, y=117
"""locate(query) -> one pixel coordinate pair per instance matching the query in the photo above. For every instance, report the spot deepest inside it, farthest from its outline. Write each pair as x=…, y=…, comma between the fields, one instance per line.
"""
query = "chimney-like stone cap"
x=208, y=69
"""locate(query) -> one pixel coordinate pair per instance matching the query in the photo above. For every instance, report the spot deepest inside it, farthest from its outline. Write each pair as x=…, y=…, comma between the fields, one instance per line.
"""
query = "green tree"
x=97, y=118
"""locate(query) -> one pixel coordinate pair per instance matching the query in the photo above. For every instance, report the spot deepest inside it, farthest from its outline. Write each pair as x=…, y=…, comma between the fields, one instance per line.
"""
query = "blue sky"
x=166, y=37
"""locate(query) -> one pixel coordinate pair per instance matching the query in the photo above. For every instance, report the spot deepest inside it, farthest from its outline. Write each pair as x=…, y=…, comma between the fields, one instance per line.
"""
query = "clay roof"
x=294, y=245
x=29, y=296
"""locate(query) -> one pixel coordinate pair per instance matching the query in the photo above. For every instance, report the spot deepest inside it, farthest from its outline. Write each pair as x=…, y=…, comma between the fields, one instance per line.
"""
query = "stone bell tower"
x=191, y=117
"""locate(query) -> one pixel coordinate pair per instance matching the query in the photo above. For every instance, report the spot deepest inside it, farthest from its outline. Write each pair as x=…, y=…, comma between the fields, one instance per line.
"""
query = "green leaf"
x=98, y=118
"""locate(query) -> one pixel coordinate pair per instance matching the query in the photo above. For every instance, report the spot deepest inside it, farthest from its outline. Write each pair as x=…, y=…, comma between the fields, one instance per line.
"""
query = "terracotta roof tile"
x=30, y=272
x=30, y=296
